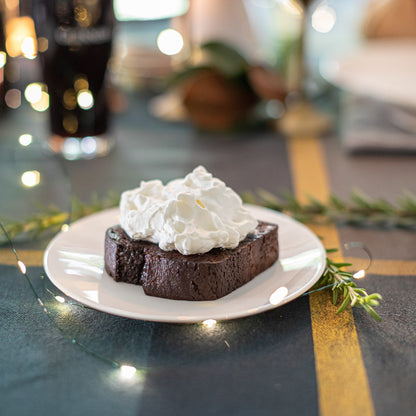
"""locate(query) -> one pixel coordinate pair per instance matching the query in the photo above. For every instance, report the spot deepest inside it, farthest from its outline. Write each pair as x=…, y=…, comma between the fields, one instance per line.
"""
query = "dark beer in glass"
x=75, y=38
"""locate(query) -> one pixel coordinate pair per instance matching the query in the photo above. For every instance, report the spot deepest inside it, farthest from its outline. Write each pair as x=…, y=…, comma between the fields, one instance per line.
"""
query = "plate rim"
x=186, y=319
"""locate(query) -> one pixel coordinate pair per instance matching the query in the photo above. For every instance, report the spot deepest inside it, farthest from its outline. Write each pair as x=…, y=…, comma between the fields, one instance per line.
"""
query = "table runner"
x=300, y=358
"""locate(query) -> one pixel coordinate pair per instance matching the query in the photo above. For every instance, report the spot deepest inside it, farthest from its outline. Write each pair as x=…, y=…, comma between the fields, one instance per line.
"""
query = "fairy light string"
x=128, y=371
x=78, y=210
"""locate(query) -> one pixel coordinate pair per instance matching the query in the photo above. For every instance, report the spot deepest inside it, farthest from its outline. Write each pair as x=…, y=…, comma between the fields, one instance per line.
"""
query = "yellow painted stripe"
x=384, y=267
x=343, y=387
x=307, y=165
x=29, y=257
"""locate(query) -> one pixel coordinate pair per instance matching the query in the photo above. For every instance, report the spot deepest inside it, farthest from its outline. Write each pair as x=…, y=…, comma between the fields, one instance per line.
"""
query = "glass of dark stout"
x=75, y=38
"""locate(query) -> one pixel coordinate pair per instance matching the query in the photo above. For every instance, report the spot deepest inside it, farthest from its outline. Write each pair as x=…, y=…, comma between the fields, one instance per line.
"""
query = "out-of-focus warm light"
x=278, y=295
x=70, y=124
x=21, y=37
x=170, y=42
x=82, y=16
x=69, y=99
x=292, y=7
x=209, y=323
x=323, y=18
x=3, y=59
x=359, y=275
x=36, y=95
x=30, y=178
x=127, y=371
x=25, y=139
x=65, y=228
x=13, y=98
x=85, y=99
x=33, y=92
x=43, y=44
x=81, y=83
x=42, y=104
x=29, y=47
x=11, y=4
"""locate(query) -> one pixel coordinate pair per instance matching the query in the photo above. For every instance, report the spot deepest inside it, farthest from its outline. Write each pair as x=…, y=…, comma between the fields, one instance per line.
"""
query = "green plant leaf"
x=225, y=58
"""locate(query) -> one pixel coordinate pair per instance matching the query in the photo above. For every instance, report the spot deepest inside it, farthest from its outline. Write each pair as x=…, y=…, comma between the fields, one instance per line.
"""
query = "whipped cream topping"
x=192, y=215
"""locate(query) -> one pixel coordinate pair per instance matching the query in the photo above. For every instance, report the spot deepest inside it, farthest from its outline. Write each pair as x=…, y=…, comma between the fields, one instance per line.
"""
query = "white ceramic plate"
x=74, y=263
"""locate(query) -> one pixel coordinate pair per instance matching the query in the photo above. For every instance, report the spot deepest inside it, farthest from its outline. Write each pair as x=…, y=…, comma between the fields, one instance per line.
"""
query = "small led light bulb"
x=64, y=228
x=359, y=275
x=209, y=323
x=127, y=371
x=22, y=266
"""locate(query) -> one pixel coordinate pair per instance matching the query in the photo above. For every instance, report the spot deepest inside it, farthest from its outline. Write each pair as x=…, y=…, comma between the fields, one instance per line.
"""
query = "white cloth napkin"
x=368, y=126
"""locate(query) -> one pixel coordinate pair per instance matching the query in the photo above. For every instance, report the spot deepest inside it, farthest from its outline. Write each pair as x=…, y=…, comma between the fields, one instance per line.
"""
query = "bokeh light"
x=3, y=58
x=127, y=371
x=170, y=42
x=71, y=148
x=70, y=123
x=42, y=104
x=292, y=7
x=323, y=19
x=69, y=99
x=43, y=44
x=81, y=83
x=25, y=139
x=85, y=99
x=30, y=178
x=29, y=47
x=21, y=37
x=13, y=98
x=89, y=145
x=33, y=92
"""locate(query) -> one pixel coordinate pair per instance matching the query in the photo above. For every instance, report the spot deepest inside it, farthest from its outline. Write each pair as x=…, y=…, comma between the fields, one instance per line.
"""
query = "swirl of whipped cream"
x=192, y=215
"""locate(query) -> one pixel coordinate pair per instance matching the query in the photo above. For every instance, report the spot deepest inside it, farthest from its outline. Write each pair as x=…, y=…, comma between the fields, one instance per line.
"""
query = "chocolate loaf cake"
x=172, y=275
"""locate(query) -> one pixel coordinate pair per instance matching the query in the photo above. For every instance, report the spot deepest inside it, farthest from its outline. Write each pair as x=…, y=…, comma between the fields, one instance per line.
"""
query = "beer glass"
x=75, y=41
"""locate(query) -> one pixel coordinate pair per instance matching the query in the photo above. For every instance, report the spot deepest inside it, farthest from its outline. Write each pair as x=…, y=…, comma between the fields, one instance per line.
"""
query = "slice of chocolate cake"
x=172, y=275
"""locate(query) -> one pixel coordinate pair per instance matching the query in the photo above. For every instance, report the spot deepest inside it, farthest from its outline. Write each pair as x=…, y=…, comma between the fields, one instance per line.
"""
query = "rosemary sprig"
x=360, y=210
x=51, y=218
x=341, y=282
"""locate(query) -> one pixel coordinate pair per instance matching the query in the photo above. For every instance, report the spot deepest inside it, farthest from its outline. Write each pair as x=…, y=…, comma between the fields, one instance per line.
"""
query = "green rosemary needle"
x=359, y=210
x=51, y=218
x=334, y=276
x=341, y=282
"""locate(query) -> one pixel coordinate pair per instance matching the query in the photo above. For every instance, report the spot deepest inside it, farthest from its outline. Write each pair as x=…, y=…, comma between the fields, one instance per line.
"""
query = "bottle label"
x=79, y=36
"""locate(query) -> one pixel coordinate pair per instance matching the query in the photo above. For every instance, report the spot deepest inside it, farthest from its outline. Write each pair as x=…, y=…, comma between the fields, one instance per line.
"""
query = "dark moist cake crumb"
x=172, y=275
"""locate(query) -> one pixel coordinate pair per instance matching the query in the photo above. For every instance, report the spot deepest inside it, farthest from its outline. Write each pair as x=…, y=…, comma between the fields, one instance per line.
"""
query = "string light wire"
x=126, y=371
x=73, y=340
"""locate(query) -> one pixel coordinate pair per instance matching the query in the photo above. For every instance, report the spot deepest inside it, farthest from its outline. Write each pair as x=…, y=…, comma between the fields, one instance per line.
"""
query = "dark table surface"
x=298, y=359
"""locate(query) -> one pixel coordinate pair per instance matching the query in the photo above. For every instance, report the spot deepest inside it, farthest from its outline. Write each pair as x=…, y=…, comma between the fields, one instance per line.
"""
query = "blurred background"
x=218, y=65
